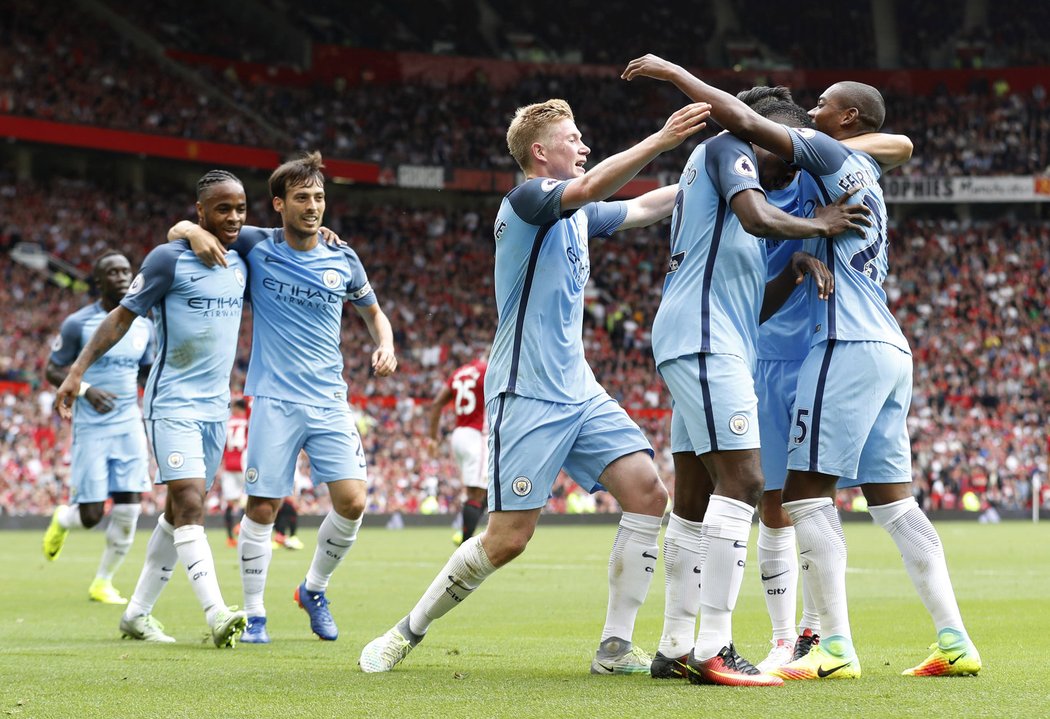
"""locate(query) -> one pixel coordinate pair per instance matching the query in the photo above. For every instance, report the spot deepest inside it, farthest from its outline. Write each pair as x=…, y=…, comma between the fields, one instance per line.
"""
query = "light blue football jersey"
x=785, y=335
x=117, y=371
x=542, y=266
x=197, y=314
x=856, y=310
x=717, y=274
x=297, y=307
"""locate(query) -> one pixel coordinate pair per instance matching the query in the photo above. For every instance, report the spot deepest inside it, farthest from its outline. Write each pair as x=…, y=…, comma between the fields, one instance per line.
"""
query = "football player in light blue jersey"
x=546, y=411
x=857, y=380
x=197, y=312
x=783, y=343
x=299, y=285
x=109, y=443
x=704, y=337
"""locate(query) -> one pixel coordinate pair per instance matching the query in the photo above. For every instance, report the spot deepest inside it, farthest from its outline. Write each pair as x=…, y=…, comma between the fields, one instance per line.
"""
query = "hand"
x=208, y=248
x=684, y=123
x=650, y=66
x=839, y=217
x=66, y=395
x=330, y=238
x=803, y=263
x=100, y=399
x=384, y=362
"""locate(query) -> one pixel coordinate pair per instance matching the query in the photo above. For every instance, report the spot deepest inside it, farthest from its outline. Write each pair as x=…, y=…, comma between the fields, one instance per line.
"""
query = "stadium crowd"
x=971, y=296
x=989, y=130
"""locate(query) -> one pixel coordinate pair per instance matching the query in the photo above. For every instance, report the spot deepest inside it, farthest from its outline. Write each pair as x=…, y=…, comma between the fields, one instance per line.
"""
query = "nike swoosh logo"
x=196, y=278
x=337, y=544
x=774, y=576
x=269, y=258
x=251, y=559
x=167, y=569
x=822, y=672
x=739, y=545
x=696, y=570
x=806, y=552
x=648, y=556
x=190, y=568
x=952, y=661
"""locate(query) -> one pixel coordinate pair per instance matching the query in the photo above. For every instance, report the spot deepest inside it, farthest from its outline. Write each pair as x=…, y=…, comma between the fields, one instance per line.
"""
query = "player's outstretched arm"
x=109, y=332
x=203, y=243
x=889, y=151
x=614, y=172
x=384, y=362
x=651, y=207
x=726, y=110
x=762, y=219
x=780, y=287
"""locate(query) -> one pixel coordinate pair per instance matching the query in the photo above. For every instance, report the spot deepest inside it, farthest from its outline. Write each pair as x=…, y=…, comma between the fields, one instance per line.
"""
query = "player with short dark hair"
x=545, y=409
x=299, y=285
x=197, y=313
x=856, y=379
x=109, y=444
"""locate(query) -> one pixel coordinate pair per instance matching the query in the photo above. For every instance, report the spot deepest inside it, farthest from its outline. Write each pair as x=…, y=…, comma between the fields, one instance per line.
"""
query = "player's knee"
x=350, y=507
x=91, y=514
x=187, y=507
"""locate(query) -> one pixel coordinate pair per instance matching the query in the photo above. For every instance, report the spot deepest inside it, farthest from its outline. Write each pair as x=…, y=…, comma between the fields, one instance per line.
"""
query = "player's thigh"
x=886, y=457
x=89, y=470
x=714, y=395
x=128, y=461
x=529, y=440
x=469, y=449
x=333, y=445
x=276, y=433
x=842, y=388
x=183, y=448
x=610, y=451
x=775, y=383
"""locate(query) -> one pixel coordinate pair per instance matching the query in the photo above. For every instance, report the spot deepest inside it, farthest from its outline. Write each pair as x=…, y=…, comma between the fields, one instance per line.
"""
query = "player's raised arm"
x=726, y=110
x=651, y=207
x=109, y=332
x=888, y=150
x=614, y=172
x=203, y=243
x=762, y=219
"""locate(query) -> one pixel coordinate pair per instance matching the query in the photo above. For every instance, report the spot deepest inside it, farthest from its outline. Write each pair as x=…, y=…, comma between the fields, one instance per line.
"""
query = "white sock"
x=923, y=556
x=810, y=616
x=632, y=563
x=69, y=518
x=778, y=567
x=682, y=566
x=256, y=551
x=465, y=570
x=822, y=556
x=195, y=554
x=161, y=559
x=119, y=536
x=727, y=525
x=334, y=539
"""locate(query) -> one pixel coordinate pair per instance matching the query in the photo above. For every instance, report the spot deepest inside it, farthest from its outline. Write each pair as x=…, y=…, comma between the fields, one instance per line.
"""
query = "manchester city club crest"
x=330, y=279
x=239, y=276
x=176, y=460
x=251, y=476
x=738, y=424
x=521, y=486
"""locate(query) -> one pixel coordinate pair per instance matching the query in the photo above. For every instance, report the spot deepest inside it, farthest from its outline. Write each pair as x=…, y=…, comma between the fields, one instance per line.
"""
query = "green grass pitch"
x=520, y=647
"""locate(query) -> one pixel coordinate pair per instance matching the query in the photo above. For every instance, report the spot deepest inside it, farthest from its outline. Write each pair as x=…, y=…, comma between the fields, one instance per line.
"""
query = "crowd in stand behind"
x=58, y=71
x=971, y=297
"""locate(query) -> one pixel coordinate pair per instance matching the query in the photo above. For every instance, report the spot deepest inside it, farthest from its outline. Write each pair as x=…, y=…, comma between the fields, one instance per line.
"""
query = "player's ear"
x=538, y=153
x=278, y=204
x=850, y=116
x=200, y=212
